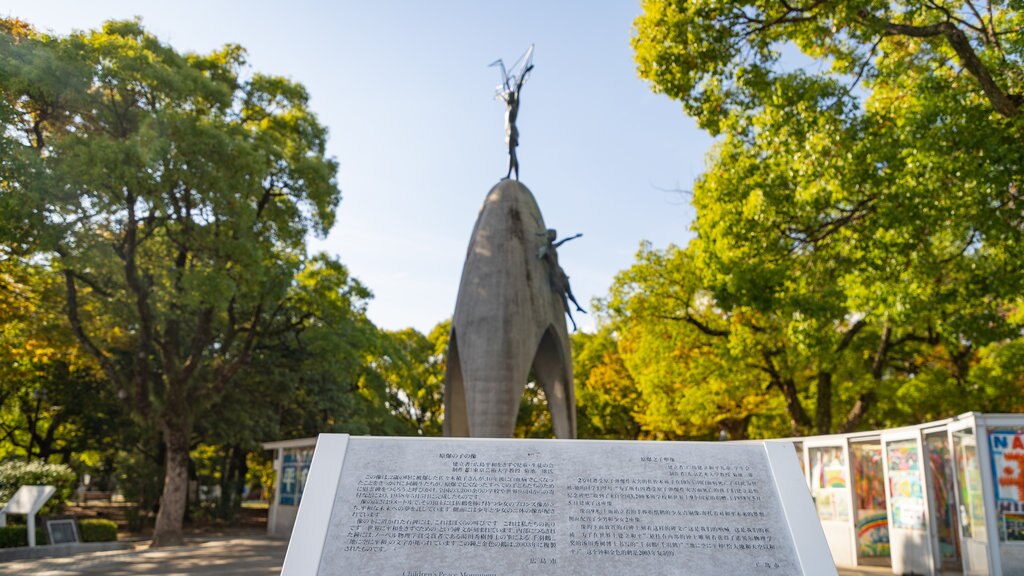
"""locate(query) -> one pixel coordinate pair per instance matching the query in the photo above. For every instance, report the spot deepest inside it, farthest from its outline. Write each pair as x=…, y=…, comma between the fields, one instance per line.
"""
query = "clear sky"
x=406, y=92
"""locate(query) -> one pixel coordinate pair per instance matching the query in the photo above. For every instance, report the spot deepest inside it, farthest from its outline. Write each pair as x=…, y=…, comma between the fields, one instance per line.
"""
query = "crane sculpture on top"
x=512, y=81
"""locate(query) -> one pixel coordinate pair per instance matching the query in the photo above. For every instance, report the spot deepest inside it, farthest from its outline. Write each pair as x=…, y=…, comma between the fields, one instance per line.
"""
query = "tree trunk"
x=823, y=410
x=867, y=399
x=232, y=481
x=735, y=428
x=857, y=413
x=170, y=518
x=798, y=419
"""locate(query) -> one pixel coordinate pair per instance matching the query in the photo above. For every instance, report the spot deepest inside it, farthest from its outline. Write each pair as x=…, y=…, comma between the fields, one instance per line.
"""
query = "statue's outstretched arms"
x=564, y=240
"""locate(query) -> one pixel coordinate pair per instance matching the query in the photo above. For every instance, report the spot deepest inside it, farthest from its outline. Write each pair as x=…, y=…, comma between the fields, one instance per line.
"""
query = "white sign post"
x=27, y=500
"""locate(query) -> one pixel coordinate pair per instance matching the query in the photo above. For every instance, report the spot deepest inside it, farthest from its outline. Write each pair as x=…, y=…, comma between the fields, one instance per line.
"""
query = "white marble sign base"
x=497, y=507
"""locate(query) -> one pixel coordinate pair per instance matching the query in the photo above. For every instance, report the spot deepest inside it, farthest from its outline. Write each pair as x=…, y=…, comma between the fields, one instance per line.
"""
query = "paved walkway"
x=228, y=556
x=241, y=556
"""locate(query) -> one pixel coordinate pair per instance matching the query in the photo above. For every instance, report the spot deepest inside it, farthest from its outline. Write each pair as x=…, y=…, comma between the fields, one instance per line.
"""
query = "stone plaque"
x=476, y=507
x=61, y=530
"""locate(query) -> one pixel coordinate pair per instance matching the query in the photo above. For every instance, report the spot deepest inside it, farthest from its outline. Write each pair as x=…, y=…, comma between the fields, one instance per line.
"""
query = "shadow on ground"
x=243, y=555
x=240, y=556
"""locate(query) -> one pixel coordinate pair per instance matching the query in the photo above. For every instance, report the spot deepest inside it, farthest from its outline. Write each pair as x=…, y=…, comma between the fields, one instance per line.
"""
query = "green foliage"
x=693, y=370
x=171, y=196
x=15, y=536
x=858, y=223
x=412, y=366
x=155, y=290
x=260, y=475
x=17, y=473
x=608, y=402
x=724, y=59
x=315, y=373
x=533, y=420
x=53, y=401
x=139, y=477
x=97, y=530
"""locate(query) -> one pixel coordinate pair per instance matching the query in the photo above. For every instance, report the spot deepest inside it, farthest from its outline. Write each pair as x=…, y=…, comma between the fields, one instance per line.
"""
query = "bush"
x=14, y=536
x=17, y=473
x=141, y=481
x=97, y=530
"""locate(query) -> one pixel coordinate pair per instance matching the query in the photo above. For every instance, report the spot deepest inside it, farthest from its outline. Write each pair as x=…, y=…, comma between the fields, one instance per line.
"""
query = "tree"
x=176, y=196
x=608, y=403
x=858, y=220
x=54, y=403
x=305, y=377
x=412, y=368
x=702, y=369
x=721, y=58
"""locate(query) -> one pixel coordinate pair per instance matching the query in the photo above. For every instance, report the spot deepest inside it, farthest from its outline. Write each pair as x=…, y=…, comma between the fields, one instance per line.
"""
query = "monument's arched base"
x=508, y=319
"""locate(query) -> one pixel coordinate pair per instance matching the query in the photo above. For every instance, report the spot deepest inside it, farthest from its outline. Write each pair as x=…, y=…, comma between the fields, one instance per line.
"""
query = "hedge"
x=14, y=536
x=17, y=473
x=97, y=530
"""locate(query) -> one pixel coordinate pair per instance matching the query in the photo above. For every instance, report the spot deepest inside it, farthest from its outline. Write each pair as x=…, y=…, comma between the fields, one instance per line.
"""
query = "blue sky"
x=406, y=92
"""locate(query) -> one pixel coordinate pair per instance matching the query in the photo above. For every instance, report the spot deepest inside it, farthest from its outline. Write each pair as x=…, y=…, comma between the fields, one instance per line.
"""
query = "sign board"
x=475, y=507
x=906, y=485
x=61, y=530
x=28, y=500
x=287, y=485
x=1007, y=449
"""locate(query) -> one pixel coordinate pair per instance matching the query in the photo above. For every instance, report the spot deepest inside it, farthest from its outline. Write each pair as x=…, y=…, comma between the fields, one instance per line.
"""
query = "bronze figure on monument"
x=508, y=91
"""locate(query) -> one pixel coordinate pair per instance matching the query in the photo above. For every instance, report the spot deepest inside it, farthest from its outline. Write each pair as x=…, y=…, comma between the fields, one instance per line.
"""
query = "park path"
x=231, y=556
x=227, y=556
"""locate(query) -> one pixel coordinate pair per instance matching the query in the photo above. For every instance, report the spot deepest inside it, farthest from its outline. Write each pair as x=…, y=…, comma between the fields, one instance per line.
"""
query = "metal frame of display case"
x=910, y=546
x=841, y=534
x=1005, y=557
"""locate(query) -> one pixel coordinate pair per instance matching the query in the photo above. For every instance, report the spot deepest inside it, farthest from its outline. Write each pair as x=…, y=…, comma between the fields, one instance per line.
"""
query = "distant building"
x=291, y=465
